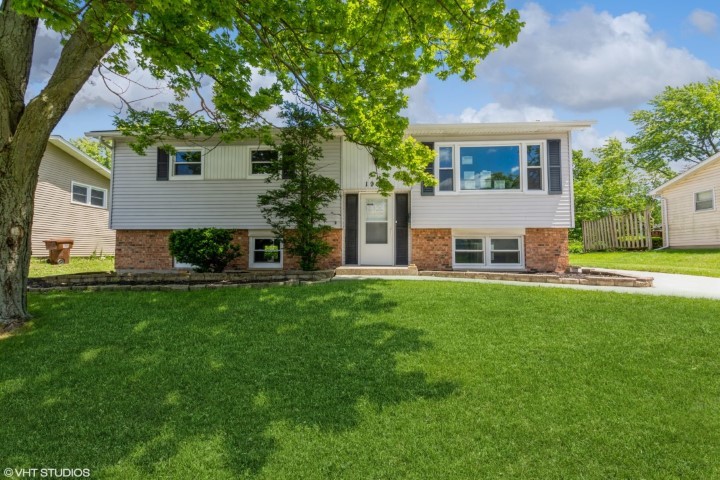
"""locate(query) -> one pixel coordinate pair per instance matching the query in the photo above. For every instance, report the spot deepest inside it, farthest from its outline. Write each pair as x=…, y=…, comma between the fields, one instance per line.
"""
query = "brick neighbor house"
x=504, y=200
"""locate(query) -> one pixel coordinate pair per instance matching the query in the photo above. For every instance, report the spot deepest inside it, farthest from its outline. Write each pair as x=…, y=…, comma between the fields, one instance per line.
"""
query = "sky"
x=574, y=60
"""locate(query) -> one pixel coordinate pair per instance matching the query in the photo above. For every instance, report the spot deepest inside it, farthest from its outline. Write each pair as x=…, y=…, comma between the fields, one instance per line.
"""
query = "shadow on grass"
x=135, y=379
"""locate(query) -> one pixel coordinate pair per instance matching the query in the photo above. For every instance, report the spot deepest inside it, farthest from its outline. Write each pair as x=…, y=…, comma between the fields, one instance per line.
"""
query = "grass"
x=39, y=267
x=688, y=262
x=372, y=379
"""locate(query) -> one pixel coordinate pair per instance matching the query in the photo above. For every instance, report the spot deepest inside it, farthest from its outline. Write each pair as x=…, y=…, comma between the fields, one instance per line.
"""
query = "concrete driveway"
x=664, y=284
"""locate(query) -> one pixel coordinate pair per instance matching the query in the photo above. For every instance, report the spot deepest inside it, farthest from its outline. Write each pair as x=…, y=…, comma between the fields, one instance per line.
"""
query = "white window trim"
x=89, y=187
x=487, y=253
x=264, y=266
x=705, y=210
x=188, y=177
x=522, y=146
x=250, y=162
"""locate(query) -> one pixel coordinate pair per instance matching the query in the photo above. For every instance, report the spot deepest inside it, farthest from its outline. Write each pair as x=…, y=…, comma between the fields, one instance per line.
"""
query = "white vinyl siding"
x=498, y=209
x=139, y=201
x=357, y=165
x=688, y=227
x=56, y=215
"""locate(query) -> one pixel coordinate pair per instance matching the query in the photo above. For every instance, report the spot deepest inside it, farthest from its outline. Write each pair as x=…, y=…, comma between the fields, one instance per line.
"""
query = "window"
x=487, y=252
x=505, y=251
x=490, y=168
x=705, y=201
x=187, y=164
x=534, y=167
x=445, y=169
x=261, y=161
x=88, y=195
x=266, y=252
x=469, y=251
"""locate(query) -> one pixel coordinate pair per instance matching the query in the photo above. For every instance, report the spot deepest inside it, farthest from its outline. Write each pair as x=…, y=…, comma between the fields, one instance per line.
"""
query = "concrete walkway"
x=664, y=284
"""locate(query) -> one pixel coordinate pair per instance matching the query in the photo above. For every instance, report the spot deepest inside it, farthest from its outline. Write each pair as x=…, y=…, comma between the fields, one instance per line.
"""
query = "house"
x=690, y=213
x=504, y=200
x=71, y=200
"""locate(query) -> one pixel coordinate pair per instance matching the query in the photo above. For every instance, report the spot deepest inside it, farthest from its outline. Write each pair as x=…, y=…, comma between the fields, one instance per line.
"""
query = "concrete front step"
x=370, y=270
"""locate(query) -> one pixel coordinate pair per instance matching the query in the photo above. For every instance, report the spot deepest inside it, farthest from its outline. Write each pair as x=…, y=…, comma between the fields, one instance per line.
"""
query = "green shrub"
x=575, y=246
x=207, y=249
x=657, y=242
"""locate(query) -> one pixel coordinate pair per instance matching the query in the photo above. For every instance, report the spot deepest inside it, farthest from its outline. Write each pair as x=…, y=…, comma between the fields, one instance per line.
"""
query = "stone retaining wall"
x=589, y=277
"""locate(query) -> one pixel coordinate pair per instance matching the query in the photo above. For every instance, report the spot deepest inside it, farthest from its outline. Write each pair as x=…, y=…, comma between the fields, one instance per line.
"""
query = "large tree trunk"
x=24, y=132
x=16, y=197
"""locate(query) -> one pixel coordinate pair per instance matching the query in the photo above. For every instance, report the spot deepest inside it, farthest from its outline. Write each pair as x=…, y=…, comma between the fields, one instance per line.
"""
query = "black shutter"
x=554, y=168
x=163, y=164
x=401, y=228
x=428, y=190
x=351, y=229
x=288, y=167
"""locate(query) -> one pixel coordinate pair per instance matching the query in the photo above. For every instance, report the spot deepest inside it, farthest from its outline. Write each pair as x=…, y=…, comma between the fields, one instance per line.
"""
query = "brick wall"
x=546, y=249
x=142, y=250
x=148, y=250
x=432, y=248
x=333, y=260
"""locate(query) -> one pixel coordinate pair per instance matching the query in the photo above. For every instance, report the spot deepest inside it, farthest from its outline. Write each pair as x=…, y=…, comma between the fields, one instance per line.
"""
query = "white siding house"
x=504, y=198
x=691, y=210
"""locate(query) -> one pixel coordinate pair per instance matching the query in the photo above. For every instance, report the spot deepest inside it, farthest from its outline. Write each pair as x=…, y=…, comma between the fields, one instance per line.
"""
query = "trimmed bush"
x=657, y=242
x=206, y=249
x=575, y=246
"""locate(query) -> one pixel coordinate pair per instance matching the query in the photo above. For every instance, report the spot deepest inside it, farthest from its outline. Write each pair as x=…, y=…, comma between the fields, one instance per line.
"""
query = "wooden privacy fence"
x=629, y=232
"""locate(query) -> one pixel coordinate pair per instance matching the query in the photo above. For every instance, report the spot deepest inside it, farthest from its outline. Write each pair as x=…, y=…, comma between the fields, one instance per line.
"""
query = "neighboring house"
x=504, y=201
x=691, y=217
x=71, y=200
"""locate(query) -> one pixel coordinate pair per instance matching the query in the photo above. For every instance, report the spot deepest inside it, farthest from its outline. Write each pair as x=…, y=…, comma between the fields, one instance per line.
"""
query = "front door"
x=376, y=242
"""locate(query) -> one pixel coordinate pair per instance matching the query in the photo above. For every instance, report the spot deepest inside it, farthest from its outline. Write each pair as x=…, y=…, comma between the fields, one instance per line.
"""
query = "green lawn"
x=39, y=267
x=689, y=262
x=371, y=379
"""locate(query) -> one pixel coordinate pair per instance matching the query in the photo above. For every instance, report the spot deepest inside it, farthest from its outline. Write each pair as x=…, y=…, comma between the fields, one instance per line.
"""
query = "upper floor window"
x=261, y=160
x=187, y=163
x=484, y=166
x=704, y=201
x=88, y=195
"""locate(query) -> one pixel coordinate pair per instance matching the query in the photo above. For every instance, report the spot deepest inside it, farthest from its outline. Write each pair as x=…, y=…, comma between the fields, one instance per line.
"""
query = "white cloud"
x=495, y=112
x=420, y=108
x=704, y=21
x=584, y=60
x=590, y=138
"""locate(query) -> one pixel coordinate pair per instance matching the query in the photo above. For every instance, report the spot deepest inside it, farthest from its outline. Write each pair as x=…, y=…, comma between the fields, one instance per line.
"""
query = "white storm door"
x=375, y=230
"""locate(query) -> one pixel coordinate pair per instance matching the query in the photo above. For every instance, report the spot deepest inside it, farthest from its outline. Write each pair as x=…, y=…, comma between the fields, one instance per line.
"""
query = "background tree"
x=612, y=185
x=295, y=209
x=350, y=60
x=94, y=149
x=682, y=124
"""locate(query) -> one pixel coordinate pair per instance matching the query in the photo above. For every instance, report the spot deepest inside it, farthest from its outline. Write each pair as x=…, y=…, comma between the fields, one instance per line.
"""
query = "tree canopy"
x=612, y=185
x=682, y=124
x=351, y=61
x=94, y=149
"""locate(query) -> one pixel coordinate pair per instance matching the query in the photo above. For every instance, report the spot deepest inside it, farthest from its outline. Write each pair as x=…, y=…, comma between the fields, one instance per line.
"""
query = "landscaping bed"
x=174, y=280
x=585, y=276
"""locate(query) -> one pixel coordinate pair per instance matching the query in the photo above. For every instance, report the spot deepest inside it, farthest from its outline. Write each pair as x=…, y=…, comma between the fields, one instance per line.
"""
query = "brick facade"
x=333, y=260
x=142, y=250
x=432, y=248
x=546, y=249
x=148, y=250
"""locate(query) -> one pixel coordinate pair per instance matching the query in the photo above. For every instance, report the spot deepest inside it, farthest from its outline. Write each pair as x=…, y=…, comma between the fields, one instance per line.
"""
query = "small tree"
x=294, y=210
x=206, y=249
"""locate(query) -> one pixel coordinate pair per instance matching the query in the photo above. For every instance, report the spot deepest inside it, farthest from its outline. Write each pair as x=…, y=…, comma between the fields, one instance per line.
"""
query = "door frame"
x=362, y=253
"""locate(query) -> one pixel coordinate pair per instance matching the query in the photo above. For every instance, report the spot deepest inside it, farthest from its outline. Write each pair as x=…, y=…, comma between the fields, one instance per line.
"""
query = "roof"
x=694, y=169
x=421, y=129
x=78, y=155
